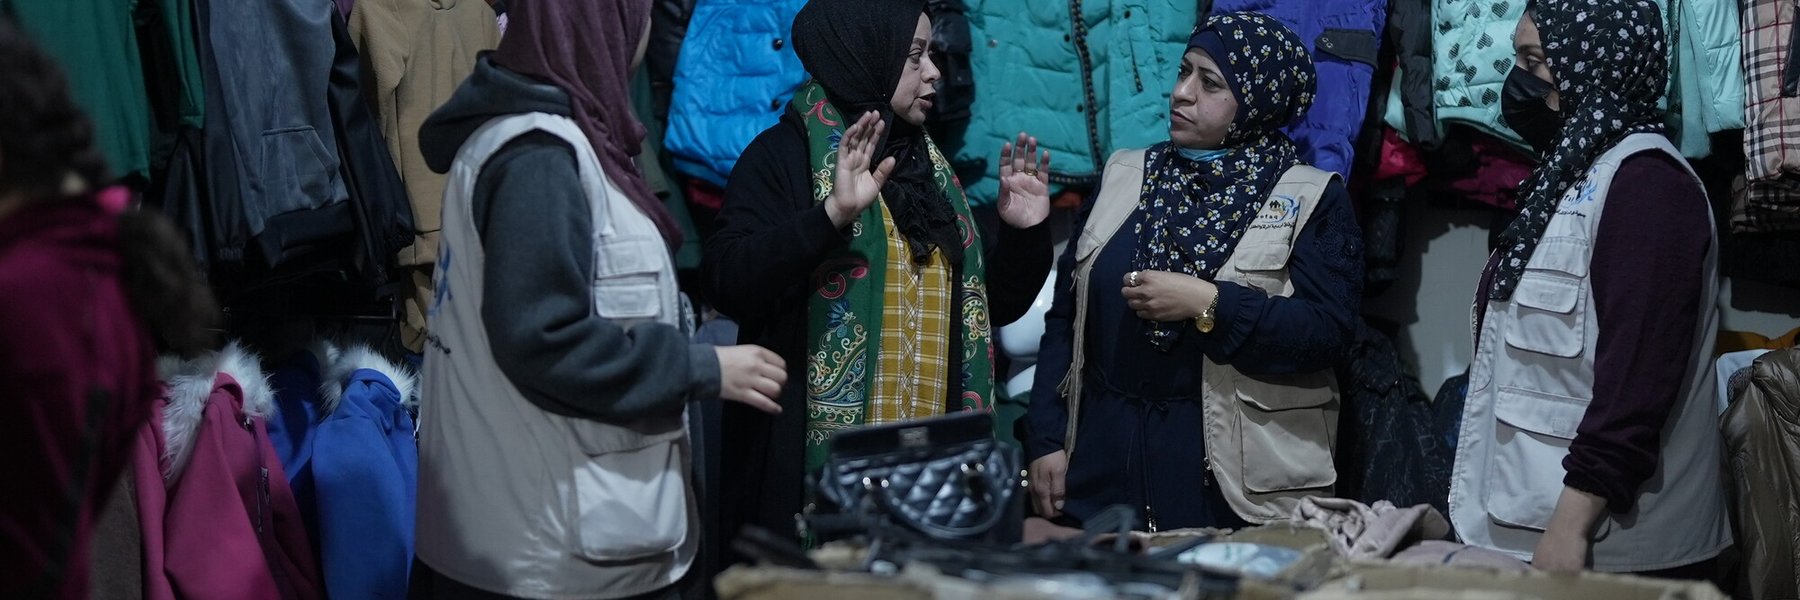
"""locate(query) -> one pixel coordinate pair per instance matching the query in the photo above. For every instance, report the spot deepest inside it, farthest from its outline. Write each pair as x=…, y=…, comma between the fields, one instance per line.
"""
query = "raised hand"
x=1024, y=183
x=854, y=186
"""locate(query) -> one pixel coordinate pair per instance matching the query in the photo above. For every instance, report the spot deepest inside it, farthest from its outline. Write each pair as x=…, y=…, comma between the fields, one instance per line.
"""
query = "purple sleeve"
x=1647, y=271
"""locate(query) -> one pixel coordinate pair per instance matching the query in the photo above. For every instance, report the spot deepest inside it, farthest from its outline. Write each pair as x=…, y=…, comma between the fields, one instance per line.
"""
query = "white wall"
x=1441, y=265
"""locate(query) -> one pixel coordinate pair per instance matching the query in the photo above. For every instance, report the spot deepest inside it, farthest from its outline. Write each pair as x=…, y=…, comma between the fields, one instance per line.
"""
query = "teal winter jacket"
x=1473, y=52
x=1028, y=60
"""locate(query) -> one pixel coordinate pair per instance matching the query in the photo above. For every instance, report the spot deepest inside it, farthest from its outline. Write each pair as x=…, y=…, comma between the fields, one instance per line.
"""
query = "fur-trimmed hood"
x=190, y=383
x=336, y=367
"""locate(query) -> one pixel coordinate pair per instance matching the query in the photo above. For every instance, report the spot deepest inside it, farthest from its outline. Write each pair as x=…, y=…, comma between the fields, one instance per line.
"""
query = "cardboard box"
x=923, y=582
x=1375, y=581
x=1286, y=554
x=777, y=583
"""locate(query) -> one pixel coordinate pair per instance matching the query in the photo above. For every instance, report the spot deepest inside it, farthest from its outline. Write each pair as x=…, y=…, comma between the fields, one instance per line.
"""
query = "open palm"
x=854, y=186
x=1024, y=183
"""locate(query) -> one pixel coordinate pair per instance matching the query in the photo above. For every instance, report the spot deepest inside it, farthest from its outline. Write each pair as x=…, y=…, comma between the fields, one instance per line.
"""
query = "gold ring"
x=1132, y=278
x=1031, y=172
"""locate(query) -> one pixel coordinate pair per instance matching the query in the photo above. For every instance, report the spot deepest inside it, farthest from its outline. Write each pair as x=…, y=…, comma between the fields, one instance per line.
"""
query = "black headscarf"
x=1610, y=70
x=857, y=50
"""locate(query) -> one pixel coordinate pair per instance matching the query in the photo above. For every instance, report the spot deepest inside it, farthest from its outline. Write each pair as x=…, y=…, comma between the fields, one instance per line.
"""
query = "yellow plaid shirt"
x=913, y=371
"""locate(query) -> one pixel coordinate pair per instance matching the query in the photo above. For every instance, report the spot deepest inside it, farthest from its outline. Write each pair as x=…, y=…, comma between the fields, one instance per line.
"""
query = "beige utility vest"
x=1269, y=440
x=523, y=502
x=1530, y=385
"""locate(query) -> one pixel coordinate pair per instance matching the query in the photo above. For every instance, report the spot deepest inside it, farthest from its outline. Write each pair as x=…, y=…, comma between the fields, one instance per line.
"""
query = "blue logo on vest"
x=1575, y=206
x=1279, y=211
x=1587, y=193
x=441, y=292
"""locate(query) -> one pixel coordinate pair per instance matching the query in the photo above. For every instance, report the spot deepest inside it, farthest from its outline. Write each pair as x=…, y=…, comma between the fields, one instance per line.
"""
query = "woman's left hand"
x=1560, y=552
x=1167, y=297
x=1024, y=183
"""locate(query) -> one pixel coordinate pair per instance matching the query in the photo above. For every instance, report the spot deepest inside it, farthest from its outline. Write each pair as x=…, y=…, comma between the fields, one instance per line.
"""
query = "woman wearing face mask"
x=845, y=244
x=1589, y=437
x=1186, y=372
x=553, y=457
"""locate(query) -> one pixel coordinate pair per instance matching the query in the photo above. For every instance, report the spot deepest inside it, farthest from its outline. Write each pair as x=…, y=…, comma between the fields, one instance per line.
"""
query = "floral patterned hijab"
x=1191, y=213
x=1610, y=67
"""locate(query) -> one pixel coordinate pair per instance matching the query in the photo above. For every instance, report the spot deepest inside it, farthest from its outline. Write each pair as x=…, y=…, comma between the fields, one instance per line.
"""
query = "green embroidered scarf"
x=844, y=310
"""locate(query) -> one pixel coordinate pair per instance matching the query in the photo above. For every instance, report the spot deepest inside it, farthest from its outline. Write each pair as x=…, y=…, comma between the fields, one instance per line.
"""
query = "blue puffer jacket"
x=1029, y=73
x=735, y=74
x=1344, y=38
x=345, y=438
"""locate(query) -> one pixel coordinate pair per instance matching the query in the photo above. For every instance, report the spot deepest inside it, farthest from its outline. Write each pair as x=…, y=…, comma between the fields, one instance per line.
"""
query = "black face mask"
x=1524, y=104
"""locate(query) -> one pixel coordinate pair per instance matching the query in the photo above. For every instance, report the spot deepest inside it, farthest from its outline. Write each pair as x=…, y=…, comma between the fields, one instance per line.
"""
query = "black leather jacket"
x=668, y=27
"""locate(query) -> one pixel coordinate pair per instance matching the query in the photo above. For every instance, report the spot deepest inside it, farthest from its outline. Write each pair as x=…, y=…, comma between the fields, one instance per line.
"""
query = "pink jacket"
x=219, y=520
x=77, y=374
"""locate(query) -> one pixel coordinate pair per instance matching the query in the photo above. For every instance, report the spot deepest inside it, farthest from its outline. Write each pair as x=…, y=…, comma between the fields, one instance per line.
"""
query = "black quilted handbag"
x=943, y=477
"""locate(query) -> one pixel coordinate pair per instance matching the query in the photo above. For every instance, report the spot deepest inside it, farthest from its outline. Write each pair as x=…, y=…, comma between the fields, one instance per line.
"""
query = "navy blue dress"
x=1141, y=434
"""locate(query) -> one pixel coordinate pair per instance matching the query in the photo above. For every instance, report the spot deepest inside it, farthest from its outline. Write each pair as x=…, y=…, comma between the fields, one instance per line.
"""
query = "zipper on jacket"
x=1475, y=311
x=262, y=501
x=1137, y=77
x=1086, y=59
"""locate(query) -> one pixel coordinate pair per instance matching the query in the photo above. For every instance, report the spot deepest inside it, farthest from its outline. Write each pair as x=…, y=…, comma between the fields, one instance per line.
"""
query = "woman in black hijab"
x=846, y=246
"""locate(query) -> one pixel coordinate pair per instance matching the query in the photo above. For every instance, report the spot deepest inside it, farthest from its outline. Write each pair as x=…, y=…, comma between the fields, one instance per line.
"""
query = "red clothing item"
x=704, y=194
x=77, y=377
x=1399, y=159
x=219, y=520
x=1499, y=171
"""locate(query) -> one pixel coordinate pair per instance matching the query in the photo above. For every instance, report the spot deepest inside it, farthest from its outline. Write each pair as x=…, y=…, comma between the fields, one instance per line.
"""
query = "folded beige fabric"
x=1362, y=531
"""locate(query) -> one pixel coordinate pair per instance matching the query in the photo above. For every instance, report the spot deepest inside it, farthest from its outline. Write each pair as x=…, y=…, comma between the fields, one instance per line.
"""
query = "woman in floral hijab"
x=1212, y=256
x=1589, y=437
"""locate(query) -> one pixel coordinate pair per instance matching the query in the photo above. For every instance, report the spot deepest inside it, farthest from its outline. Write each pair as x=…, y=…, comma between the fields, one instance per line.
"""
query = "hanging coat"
x=218, y=517
x=1089, y=86
x=346, y=443
x=736, y=74
x=1344, y=37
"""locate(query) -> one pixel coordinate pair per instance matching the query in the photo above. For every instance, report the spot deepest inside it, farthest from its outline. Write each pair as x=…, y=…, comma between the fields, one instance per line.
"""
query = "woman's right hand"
x=751, y=375
x=855, y=186
x=1046, y=475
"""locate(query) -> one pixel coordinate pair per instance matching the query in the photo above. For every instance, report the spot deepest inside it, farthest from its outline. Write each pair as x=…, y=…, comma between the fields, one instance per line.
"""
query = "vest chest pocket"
x=1549, y=312
x=1288, y=426
x=1261, y=262
x=628, y=275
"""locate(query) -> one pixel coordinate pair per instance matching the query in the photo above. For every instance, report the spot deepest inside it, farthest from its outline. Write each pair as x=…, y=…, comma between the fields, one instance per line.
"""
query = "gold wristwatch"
x=1205, y=321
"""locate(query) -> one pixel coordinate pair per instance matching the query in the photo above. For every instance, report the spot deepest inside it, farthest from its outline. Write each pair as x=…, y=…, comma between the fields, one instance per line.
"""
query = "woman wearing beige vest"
x=554, y=460
x=1185, y=372
x=1589, y=438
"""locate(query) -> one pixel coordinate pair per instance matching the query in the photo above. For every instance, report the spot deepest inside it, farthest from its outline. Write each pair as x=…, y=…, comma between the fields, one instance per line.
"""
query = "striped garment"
x=1771, y=199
